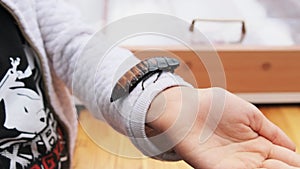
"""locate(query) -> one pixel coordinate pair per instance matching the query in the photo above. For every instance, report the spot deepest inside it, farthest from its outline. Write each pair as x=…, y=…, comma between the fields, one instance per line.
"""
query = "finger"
x=276, y=135
x=265, y=128
x=285, y=155
x=275, y=164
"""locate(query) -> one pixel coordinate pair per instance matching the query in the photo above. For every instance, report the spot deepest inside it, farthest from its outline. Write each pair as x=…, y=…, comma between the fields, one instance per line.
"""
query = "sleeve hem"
x=137, y=117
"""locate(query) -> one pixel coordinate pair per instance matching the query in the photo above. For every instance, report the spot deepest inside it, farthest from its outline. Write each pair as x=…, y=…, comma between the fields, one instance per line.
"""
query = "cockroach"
x=141, y=72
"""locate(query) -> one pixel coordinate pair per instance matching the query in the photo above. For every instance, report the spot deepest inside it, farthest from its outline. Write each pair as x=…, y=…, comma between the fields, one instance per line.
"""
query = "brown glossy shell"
x=141, y=72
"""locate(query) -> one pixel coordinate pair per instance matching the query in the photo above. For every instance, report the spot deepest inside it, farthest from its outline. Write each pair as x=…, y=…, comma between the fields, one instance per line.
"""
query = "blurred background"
x=269, y=22
x=263, y=66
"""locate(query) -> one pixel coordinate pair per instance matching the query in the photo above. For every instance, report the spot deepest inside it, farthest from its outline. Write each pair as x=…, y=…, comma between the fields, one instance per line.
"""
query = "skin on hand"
x=239, y=137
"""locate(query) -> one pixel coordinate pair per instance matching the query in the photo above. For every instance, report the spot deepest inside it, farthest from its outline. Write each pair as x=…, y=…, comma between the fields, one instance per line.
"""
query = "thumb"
x=264, y=127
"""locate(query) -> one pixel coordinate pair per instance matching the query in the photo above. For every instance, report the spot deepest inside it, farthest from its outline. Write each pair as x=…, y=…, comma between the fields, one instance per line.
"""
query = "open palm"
x=239, y=137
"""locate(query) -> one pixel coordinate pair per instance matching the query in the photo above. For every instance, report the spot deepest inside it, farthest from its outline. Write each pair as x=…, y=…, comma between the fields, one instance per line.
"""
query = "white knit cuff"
x=141, y=100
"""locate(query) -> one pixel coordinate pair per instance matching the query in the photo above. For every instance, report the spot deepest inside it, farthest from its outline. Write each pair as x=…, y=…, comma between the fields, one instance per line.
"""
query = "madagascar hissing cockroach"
x=141, y=72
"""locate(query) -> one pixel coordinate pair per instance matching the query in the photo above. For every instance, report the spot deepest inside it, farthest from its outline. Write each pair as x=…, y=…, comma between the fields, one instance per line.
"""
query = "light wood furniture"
x=90, y=155
x=253, y=72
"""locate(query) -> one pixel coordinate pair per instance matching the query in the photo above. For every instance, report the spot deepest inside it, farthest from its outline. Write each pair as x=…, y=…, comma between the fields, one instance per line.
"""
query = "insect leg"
x=158, y=75
x=149, y=75
x=143, y=84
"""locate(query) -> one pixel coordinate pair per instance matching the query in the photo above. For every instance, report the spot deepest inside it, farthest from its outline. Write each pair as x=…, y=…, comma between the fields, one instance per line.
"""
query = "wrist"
x=167, y=106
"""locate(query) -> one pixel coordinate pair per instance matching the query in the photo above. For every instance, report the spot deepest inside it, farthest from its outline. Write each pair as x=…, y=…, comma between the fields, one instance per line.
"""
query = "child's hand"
x=239, y=137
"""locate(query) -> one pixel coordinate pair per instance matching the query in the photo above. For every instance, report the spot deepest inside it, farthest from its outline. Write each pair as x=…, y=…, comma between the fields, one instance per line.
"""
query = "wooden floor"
x=100, y=151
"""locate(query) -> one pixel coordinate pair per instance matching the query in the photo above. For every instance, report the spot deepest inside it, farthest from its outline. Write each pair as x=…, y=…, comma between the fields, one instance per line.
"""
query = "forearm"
x=90, y=67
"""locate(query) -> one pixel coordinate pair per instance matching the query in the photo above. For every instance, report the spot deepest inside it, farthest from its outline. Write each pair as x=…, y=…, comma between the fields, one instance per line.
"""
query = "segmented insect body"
x=141, y=72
